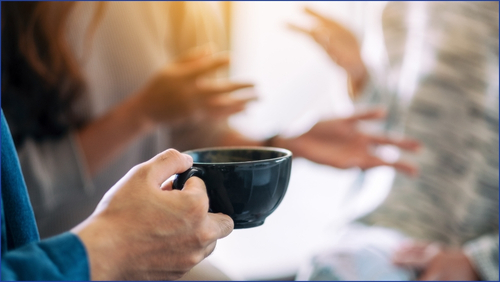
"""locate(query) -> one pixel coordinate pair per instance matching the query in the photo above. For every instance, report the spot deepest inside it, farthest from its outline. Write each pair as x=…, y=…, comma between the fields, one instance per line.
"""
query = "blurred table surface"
x=319, y=201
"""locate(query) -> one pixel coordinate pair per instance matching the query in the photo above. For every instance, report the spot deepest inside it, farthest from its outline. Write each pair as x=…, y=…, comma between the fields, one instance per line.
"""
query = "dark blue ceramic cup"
x=246, y=183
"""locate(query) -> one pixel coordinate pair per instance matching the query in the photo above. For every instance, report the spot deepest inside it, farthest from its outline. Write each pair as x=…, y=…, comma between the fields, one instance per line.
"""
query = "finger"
x=210, y=248
x=221, y=102
x=167, y=186
x=298, y=28
x=322, y=35
x=195, y=53
x=401, y=166
x=406, y=143
x=319, y=16
x=406, y=168
x=211, y=89
x=204, y=66
x=223, y=224
x=370, y=162
x=225, y=112
x=368, y=115
x=166, y=164
x=195, y=185
x=227, y=107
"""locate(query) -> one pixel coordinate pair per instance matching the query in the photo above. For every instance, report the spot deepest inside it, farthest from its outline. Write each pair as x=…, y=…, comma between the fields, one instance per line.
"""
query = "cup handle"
x=181, y=178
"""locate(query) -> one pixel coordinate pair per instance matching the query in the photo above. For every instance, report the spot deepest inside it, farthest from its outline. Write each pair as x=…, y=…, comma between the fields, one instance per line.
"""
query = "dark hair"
x=42, y=86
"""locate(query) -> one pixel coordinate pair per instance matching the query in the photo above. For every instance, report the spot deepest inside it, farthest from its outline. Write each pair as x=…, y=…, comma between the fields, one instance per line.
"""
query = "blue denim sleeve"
x=62, y=257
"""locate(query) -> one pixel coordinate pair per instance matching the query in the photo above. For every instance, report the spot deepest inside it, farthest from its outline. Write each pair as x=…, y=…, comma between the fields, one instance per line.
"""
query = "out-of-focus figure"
x=115, y=84
x=86, y=86
x=111, y=74
x=137, y=100
x=440, y=82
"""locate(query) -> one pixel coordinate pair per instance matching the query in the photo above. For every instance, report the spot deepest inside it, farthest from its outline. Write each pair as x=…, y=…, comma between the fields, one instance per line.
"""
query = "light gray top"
x=441, y=81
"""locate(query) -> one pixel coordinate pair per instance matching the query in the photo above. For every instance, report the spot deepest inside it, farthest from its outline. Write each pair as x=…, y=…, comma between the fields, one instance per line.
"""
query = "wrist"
x=136, y=115
x=101, y=251
x=356, y=79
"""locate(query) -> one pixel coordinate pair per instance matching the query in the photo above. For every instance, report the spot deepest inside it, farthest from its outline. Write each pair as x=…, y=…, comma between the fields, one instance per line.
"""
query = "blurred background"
x=92, y=89
x=297, y=85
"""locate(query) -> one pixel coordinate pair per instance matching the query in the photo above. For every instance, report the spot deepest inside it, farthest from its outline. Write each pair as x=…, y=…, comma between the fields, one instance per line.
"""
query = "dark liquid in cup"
x=230, y=156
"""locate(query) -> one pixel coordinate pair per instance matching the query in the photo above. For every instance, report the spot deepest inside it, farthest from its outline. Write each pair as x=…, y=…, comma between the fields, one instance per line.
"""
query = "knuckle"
x=226, y=225
x=200, y=209
x=170, y=155
x=141, y=170
x=175, y=157
x=193, y=200
x=211, y=250
x=191, y=260
x=198, y=202
x=196, y=210
x=196, y=181
x=205, y=237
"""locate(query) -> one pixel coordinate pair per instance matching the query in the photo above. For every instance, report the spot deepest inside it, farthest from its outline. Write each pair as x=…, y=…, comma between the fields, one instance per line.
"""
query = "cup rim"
x=287, y=153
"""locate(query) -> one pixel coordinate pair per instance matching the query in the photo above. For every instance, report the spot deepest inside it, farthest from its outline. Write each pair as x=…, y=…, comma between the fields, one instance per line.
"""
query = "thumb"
x=195, y=185
x=224, y=224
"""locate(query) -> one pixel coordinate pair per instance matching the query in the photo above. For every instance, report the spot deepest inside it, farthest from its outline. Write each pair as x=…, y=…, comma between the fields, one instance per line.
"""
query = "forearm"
x=104, y=138
x=357, y=79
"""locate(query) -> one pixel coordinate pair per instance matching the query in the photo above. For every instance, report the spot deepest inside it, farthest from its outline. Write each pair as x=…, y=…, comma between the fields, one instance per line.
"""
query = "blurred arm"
x=342, y=47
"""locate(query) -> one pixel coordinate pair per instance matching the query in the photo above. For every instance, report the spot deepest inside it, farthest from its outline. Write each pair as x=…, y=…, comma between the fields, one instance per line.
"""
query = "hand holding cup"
x=141, y=232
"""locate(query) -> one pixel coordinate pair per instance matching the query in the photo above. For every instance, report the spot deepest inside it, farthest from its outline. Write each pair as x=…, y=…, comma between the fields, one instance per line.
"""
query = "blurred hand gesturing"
x=341, y=45
x=339, y=143
x=182, y=91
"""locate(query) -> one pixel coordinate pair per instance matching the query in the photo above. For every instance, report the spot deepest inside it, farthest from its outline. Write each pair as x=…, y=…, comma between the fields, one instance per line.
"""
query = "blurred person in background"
x=123, y=102
x=103, y=247
x=62, y=140
x=46, y=97
x=441, y=83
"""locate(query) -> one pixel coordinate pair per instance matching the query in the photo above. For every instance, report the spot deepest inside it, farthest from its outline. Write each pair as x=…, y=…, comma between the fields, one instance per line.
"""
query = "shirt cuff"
x=62, y=257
